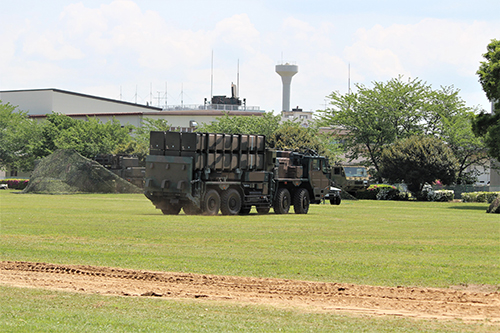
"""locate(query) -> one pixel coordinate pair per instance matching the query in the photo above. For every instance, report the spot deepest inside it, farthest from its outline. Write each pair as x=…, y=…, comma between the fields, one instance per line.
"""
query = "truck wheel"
x=301, y=201
x=282, y=204
x=190, y=209
x=211, y=203
x=169, y=209
x=230, y=202
x=262, y=210
x=335, y=201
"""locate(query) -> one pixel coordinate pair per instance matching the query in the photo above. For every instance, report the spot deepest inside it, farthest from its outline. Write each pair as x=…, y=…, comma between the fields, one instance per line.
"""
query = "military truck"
x=351, y=178
x=202, y=173
x=126, y=166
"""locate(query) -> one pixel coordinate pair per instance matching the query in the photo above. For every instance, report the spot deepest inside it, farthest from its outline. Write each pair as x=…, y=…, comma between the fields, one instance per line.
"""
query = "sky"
x=181, y=52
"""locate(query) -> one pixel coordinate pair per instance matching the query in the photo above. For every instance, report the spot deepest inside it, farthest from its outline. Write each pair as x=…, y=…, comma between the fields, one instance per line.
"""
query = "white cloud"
x=51, y=46
x=416, y=48
x=237, y=31
x=368, y=61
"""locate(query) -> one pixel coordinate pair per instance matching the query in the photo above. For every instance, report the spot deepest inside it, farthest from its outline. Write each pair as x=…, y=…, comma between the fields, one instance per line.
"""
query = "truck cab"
x=351, y=178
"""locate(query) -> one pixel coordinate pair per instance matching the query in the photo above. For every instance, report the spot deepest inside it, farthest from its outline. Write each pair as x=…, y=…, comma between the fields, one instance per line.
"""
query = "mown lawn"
x=364, y=242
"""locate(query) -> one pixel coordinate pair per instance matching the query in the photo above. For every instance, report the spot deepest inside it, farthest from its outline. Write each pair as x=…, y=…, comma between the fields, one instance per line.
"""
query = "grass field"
x=364, y=242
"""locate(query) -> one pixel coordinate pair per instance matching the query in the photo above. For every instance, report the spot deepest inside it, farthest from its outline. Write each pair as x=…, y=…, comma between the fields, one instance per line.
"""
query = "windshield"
x=355, y=172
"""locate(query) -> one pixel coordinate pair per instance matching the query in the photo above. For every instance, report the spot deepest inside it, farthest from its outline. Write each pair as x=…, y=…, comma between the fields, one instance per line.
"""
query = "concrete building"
x=304, y=117
x=40, y=102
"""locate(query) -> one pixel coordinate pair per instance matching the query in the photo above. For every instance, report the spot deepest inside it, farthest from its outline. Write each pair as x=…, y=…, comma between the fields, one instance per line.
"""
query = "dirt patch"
x=311, y=296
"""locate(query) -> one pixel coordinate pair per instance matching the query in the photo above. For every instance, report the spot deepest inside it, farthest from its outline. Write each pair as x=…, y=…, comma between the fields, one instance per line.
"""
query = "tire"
x=263, y=210
x=245, y=210
x=230, y=203
x=190, y=209
x=301, y=201
x=211, y=203
x=169, y=209
x=282, y=203
x=335, y=201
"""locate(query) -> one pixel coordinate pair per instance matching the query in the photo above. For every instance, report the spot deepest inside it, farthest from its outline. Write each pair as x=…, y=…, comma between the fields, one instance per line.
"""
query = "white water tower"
x=286, y=71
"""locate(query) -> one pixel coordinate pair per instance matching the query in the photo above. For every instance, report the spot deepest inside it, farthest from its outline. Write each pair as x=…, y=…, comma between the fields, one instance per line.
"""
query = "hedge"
x=16, y=184
x=428, y=194
x=382, y=192
x=479, y=196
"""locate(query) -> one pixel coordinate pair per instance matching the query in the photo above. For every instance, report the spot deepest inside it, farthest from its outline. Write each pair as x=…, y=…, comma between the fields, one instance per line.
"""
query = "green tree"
x=92, y=137
x=448, y=118
x=418, y=160
x=51, y=128
x=370, y=119
x=266, y=125
x=487, y=125
x=468, y=149
x=18, y=135
x=291, y=135
x=489, y=71
x=88, y=137
x=139, y=144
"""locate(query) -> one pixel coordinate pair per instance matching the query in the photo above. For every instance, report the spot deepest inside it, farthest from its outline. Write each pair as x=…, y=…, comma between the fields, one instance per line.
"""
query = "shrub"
x=479, y=196
x=428, y=194
x=16, y=184
x=442, y=195
x=380, y=192
x=388, y=194
x=469, y=197
x=495, y=206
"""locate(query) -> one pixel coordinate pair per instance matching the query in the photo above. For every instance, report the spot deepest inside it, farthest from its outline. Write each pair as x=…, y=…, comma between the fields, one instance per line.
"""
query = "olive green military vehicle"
x=351, y=178
x=126, y=166
x=202, y=173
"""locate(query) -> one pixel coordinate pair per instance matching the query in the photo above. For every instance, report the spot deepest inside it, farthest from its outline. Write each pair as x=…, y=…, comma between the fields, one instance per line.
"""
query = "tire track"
x=312, y=296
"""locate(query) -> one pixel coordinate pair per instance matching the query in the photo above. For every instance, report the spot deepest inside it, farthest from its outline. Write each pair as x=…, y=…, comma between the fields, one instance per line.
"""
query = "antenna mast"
x=349, y=78
x=212, y=77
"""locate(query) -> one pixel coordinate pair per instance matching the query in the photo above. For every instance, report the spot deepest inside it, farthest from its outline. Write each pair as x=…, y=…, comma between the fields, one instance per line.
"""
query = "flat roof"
x=216, y=113
x=205, y=113
x=86, y=96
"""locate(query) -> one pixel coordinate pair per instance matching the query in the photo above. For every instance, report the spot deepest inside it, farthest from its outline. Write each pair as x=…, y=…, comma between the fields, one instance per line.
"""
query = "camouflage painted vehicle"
x=351, y=178
x=202, y=173
x=126, y=166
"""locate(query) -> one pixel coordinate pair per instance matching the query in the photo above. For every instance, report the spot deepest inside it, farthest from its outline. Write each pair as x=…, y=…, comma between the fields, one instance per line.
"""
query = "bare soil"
x=472, y=303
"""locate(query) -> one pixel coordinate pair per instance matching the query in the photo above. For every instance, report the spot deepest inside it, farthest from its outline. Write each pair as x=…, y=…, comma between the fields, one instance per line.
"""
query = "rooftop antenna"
x=136, y=94
x=238, y=80
x=166, y=95
x=212, y=77
x=349, y=78
x=151, y=93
